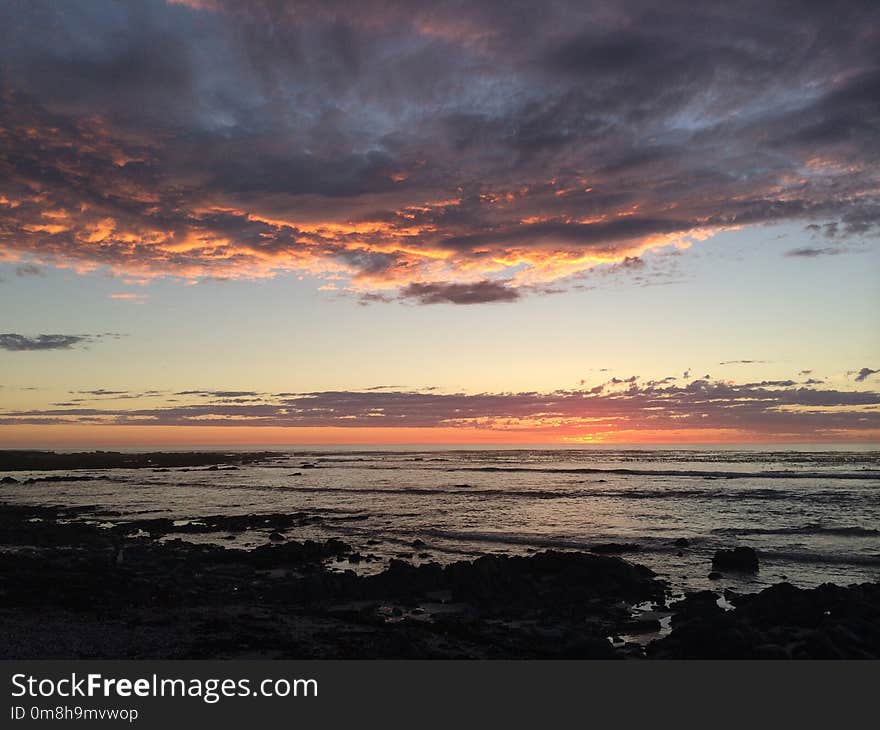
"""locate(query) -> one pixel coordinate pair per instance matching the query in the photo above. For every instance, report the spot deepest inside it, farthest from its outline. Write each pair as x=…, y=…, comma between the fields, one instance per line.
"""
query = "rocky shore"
x=70, y=588
x=26, y=460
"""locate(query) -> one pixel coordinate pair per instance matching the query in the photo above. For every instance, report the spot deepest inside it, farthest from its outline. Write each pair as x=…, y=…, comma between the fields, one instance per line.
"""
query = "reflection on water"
x=813, y=515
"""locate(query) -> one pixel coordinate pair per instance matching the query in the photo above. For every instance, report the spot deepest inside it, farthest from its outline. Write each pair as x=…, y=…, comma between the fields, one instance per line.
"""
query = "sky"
x=381, y=222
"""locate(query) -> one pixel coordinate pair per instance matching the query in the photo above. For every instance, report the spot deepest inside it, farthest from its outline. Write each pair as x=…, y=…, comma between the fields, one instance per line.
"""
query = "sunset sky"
x=264, y=222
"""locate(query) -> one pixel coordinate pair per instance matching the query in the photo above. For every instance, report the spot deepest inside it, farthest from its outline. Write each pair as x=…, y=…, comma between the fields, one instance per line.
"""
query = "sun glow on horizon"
x=135, y=437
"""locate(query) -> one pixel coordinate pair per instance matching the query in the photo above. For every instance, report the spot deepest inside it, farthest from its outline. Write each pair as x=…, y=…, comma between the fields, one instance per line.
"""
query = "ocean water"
x=813, y=515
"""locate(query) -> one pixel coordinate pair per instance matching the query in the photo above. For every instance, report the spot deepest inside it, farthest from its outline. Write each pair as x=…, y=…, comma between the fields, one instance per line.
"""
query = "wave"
x=819, y=558
x=507, y=538
x=486, y=493
x=647, y=546
x=811, y=529
x=676, y=473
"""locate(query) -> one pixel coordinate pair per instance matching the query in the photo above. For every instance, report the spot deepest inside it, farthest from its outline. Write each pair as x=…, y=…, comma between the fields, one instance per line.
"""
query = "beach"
x=224, y=580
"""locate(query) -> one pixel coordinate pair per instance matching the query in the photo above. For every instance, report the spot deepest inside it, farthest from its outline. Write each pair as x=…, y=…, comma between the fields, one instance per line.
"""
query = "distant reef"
x=24, y=460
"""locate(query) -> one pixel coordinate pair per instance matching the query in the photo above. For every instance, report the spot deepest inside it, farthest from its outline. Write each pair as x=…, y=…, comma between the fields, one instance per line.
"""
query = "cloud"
x=864, y=374
x=28, y=270
x=219, y=393
x=443, y=292
x=507, y=154
x=742, y=362
x=809, y=253
x=104, y=394
x=766, y=409
x=128, y=296
x=13, y=342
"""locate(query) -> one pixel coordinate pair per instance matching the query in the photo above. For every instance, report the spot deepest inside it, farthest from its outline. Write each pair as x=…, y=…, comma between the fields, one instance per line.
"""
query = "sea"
x=812, y=514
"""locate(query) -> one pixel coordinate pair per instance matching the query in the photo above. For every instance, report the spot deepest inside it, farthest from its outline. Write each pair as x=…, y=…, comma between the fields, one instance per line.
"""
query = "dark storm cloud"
x=390, y=145
x=14, y=342
x=444, y=292
x=864, y=374
x=771, y=408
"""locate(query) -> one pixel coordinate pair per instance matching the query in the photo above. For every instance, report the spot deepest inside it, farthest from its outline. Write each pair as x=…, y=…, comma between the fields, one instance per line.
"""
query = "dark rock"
x=640, y=626
x=785, y=603
x=697, y=605
x=554, y=582
x=418, y=543
x=56, y=478
x=336, y=547
x=783, y=621
x=20, y=460
x=8, y=480
x=732, y=596
x=681, y=542
x=588, y=647
x=719, y=636
x=615, y=548
x=740, y=559
x=216, y=523
x=276, y=537
x=295, y=553
x=715, y=575
x=770, y=651
x=281, y=600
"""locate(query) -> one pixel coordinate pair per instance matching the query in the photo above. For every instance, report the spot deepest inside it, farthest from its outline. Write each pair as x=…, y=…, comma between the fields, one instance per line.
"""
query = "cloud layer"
x=766, y=410
x=430, y=151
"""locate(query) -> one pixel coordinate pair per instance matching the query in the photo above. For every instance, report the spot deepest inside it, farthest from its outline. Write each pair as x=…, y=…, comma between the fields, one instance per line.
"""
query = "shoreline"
x=77, y=590
x=16, y=460
x=349, y=494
